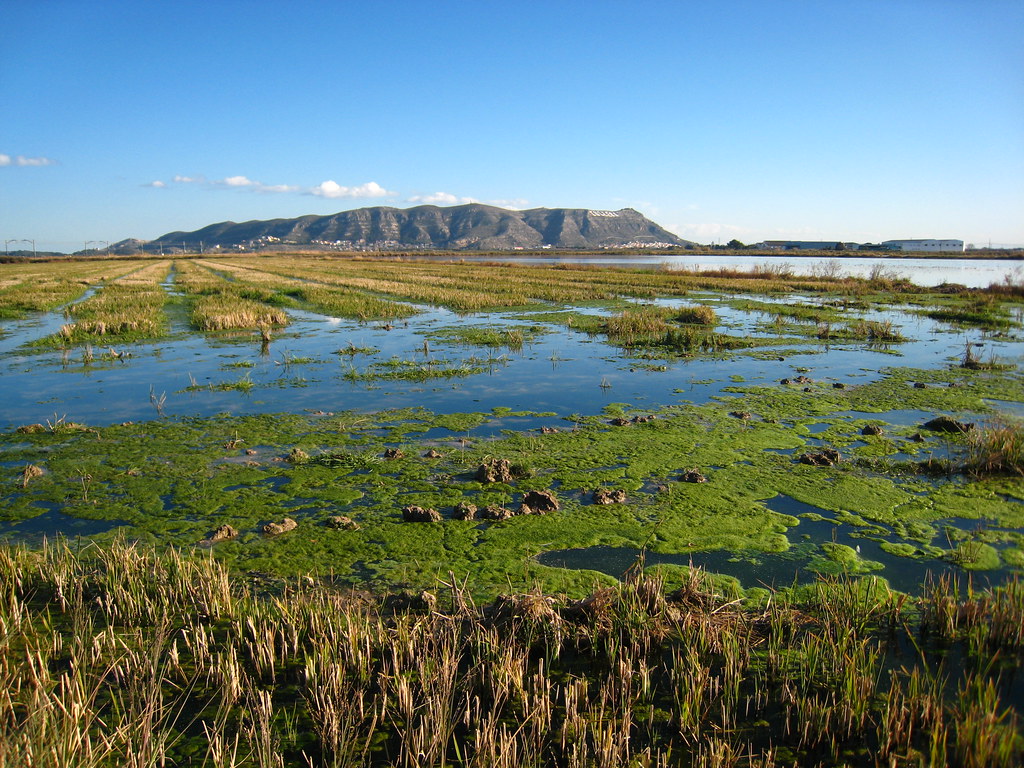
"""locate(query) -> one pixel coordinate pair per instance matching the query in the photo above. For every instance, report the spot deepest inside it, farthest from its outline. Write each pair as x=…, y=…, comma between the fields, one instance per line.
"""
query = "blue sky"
x=812, y=119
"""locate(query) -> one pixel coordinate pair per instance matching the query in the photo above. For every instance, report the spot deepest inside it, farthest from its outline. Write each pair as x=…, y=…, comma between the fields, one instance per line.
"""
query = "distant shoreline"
x=979, y=255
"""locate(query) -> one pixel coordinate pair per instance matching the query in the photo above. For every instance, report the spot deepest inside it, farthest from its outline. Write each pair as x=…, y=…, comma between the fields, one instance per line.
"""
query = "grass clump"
x=996, y=449
x=222, y=312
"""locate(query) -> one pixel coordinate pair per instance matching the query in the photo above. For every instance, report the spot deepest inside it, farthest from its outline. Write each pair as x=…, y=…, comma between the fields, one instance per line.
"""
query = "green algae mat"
x=683, y=479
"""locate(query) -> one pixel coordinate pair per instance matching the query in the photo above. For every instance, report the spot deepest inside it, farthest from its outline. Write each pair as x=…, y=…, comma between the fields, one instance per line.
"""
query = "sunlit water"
x=974, y=273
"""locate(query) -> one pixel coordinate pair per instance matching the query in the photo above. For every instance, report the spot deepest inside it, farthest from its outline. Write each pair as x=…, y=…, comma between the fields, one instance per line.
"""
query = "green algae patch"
x=841, y=559
x=505, y=336
x=900, y=549
x=693, y=478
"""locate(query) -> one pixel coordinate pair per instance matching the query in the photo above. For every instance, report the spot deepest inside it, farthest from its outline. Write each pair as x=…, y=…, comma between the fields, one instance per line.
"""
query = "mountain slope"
x=462, y=227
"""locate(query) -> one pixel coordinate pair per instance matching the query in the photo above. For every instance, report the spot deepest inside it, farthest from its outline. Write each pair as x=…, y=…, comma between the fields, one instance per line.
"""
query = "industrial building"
x=932, y=246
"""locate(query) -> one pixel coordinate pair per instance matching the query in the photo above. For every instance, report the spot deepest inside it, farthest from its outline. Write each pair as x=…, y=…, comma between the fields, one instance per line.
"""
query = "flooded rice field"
x=782, y=437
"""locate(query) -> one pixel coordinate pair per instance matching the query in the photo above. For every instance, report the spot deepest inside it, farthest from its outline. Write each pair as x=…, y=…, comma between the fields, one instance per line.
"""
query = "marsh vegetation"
x=116, y=655
x=809, y=438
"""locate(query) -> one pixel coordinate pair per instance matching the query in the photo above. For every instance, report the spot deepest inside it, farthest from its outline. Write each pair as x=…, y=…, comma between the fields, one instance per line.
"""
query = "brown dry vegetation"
x=121, y=657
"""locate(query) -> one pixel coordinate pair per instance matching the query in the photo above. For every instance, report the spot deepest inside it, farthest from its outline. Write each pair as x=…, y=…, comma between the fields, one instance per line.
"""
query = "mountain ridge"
x=472, y=226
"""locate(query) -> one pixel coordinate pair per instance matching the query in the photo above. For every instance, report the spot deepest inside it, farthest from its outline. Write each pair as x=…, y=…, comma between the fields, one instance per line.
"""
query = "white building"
x=933, y=246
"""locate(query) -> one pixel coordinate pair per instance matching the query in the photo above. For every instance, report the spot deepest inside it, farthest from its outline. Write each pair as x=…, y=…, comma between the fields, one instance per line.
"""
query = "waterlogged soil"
x=334, y=417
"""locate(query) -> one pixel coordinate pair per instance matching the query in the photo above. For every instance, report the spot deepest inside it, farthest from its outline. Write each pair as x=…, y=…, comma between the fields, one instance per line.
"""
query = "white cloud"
x=441, y=198
x=516, y=204
x=22, y=161
x=329, y=189
x=332, y=189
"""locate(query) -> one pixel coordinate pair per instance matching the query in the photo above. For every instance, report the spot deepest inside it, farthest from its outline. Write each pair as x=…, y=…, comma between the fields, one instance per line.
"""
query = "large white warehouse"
x=934, y=246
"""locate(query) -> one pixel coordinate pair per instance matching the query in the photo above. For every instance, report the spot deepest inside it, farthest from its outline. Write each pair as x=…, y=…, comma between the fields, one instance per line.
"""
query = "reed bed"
x=221, y=312
x=120, y=656
x=126, y=309
x=217, y=303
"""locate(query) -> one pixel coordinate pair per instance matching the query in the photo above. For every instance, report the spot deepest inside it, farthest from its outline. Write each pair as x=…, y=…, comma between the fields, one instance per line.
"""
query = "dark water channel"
x=799, y=565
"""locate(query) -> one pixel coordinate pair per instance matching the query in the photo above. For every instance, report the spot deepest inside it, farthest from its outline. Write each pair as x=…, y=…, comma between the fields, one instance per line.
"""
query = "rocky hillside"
x=461, y=227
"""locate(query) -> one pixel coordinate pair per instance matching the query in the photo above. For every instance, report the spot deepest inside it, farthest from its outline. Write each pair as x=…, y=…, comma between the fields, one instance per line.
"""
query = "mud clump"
x=494, y=512
x=872, y=430
x=341, y=523
x=394, y=453
x=223, y=533
x=619, y=421
x=495, y=471
x=692, y=476
x=413, y=514
x=609, y=496
x=531, y=607
x=432, y=454
x=825, y=458
x=948, y=424
x=297, y=456
x=743, y=415
x=464, y=511
x=275, y=529
x=539, y=503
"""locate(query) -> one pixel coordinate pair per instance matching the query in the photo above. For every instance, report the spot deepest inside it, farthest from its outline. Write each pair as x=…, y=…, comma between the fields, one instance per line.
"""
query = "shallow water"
x=562, y=372
x=785, y=569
